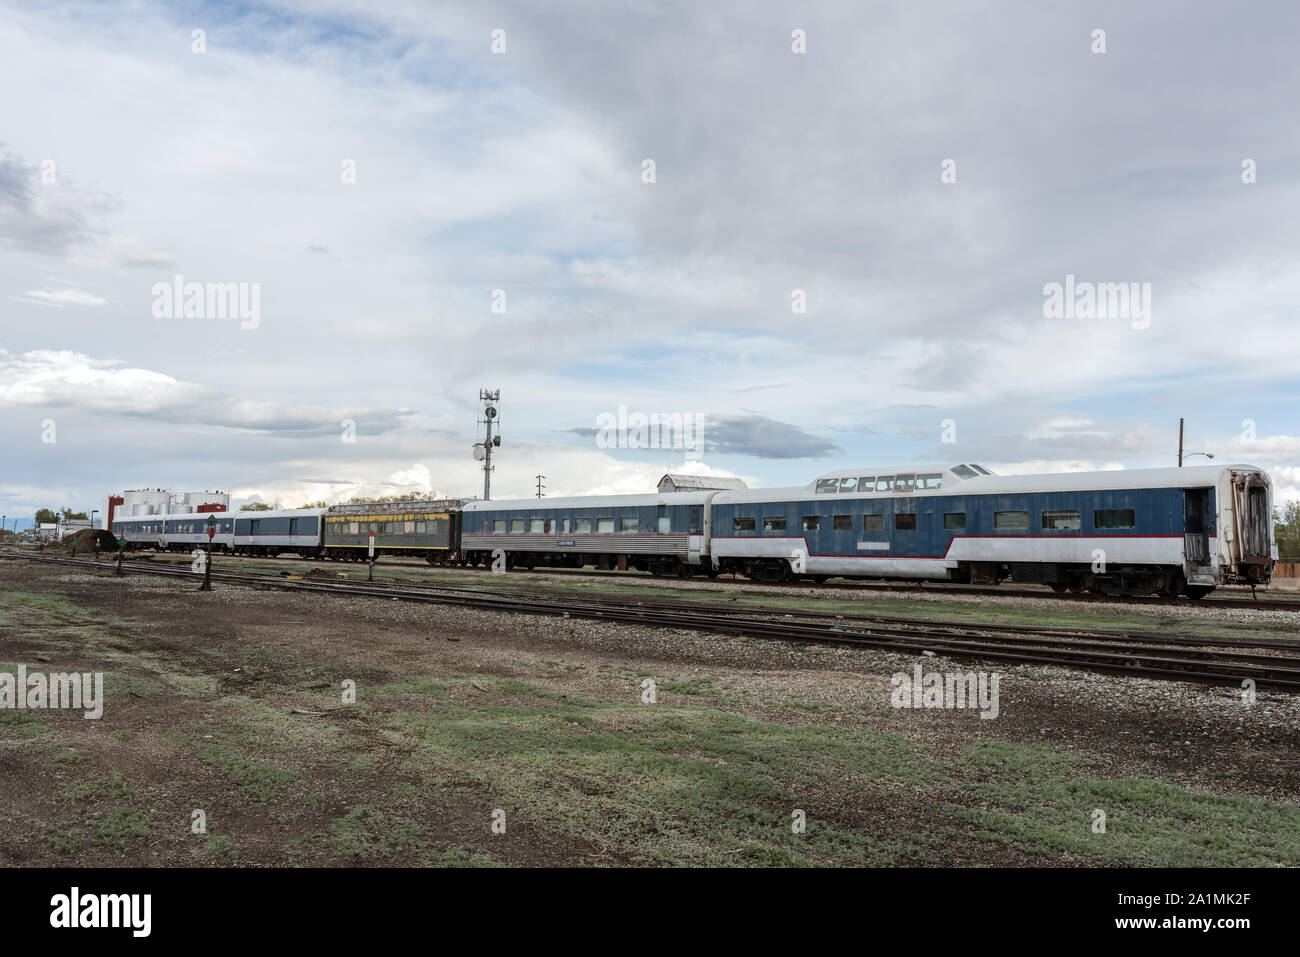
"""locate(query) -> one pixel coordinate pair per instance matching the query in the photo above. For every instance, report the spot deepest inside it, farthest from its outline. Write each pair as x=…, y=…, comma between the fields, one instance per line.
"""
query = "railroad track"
x=1223, y=600
x=1143, y=654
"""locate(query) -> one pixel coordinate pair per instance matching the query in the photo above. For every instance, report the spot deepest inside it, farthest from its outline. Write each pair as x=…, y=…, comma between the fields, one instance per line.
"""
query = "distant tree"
x=1286, y=528
x=70, y=516
x=46, y=516
x=404, y=497
x=321, y=504
x=255, y=507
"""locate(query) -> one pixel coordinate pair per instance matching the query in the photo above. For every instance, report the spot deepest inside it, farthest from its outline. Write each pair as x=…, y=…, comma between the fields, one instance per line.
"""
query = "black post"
x=371, y=576
x=119, y=559
x=207, y=572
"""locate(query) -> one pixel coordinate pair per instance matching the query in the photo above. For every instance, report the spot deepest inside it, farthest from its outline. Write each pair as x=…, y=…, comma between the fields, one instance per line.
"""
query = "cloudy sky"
x=841, y=258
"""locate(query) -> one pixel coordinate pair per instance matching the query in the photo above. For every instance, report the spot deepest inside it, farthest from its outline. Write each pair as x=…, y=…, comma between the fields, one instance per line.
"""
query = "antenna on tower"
x=483, y=450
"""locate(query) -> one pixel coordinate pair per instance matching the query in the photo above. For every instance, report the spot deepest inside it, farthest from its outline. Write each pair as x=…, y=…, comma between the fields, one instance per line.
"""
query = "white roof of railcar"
x=589, y=502
x=279, y=513
x=1192, y=476
x=1198, y=476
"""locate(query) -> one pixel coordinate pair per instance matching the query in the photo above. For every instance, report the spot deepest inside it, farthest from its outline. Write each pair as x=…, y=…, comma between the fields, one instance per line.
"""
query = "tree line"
x=1286, y=529
x=47, y=516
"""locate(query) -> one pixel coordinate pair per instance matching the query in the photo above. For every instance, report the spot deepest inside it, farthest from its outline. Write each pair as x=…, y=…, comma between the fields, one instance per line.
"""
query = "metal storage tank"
x=154, y=499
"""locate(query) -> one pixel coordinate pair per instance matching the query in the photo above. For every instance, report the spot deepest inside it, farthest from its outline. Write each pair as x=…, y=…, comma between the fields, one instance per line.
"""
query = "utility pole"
x=1180, y=441
x=540, y=486
x=483, y=450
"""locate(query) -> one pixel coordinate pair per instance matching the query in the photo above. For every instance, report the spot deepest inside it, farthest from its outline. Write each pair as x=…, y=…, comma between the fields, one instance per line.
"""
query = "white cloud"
x=68, y=296
x=1048, y=466
x=54, y=379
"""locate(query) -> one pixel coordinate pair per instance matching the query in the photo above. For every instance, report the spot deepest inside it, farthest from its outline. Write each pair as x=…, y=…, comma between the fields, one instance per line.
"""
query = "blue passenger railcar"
x=1133, y=530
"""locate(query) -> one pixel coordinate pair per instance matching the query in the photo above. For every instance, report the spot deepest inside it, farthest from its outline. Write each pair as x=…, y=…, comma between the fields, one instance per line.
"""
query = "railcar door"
x=1196, y=523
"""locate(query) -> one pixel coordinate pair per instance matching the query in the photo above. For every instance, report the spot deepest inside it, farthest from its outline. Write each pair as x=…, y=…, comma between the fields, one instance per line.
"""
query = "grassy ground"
x=562, y=750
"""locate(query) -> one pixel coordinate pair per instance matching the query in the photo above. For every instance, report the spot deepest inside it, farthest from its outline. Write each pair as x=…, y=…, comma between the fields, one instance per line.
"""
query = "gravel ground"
x=1183, y=732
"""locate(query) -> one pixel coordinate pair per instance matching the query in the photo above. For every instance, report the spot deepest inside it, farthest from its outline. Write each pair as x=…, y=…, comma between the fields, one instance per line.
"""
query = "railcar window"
x=421, y=528
x=604, y=525
x=955, y=521
x=905, y=483
x=408, y=528
x=538, y=526
x=811, y=523
x=867, y=483
x=1114, y=518
x=905, y=521
x=628, y=524
x=743, y=524
x=873, y=523
x=885, y=483
x=1061, y=518
x=842, y=523
x=827, y=485
x=930, y=480
x=964, y=471
x=664, y=525
x=564, y=526
x=498, y=524
x=582, y=525
x=848, y=484
x=516, y=525
x=774, y=524
x=1011, y=521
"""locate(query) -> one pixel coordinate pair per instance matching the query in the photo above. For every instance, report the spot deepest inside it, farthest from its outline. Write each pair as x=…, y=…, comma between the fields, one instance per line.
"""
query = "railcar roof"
x=1197, y=476
x=281, y=513
x=589, y=502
